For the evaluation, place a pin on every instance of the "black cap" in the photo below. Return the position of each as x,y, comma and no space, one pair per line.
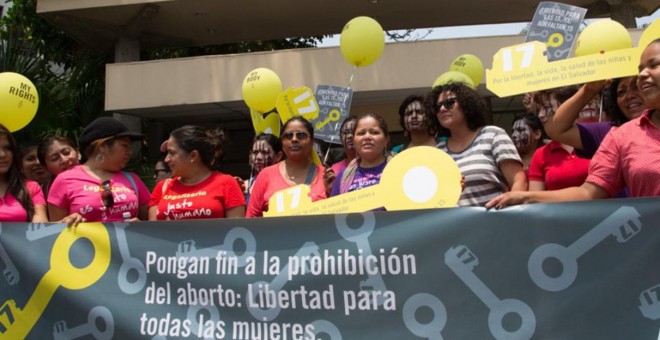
104,127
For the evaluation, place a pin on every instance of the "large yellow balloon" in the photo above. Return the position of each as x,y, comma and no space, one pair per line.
260,89
602,36
453,77
469,64
19,101
362,41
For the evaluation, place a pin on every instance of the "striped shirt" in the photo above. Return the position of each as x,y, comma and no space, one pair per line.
479,164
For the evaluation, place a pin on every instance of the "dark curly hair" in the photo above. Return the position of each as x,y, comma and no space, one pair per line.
429,117
472,104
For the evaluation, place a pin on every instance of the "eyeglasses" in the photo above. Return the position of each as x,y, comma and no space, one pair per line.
106,194
300,135
447,103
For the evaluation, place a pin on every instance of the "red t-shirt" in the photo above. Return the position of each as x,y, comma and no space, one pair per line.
209,198
557,168
270,181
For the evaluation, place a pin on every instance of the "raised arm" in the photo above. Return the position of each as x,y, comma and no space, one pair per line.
561,126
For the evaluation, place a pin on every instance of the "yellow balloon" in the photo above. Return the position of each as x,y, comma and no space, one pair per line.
453,77
651,33
19,101
469,64
602,36
260,89
362,41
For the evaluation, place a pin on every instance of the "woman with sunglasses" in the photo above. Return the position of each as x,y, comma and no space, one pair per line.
196,190
297,168
99,190
21,199
485,155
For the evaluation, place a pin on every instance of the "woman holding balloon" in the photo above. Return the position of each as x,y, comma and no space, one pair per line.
297,168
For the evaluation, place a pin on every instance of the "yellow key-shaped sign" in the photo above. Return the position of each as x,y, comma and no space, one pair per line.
62,273
269,124
298,101
417,178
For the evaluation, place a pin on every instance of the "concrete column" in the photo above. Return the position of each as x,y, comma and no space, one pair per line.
622,11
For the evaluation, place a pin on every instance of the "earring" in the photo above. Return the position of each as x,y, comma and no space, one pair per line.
99,157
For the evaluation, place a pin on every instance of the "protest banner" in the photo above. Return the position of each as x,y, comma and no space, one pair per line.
580,270
556,25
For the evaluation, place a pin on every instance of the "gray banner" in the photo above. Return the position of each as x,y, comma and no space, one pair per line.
558,271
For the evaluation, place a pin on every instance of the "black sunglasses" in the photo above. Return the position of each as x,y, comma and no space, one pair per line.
106,194
300,135
447,103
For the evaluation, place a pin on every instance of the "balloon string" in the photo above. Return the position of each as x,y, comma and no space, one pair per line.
351,79
249,184
600,107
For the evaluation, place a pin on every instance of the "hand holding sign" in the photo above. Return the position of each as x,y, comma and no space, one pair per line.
417,178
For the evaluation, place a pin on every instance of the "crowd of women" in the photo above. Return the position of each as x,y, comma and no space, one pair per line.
578,159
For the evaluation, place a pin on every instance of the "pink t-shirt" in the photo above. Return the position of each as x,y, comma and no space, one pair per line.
209,198
77,191
12,211
270,181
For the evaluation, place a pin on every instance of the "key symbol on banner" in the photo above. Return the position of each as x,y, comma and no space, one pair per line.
360,236
333,116
462,262
63,273
622,224
10,273
269,314
326,327
62,332
432,329
187,248
650,303
38,231
128,263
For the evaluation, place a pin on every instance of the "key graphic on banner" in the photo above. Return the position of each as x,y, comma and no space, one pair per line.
91,327
462,262
10,273
62,273
623,224
360,236
417,178
430,330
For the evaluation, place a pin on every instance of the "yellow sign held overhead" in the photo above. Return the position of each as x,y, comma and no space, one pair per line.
524,68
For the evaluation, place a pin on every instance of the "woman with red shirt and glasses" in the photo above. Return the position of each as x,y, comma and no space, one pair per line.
99,190
297,168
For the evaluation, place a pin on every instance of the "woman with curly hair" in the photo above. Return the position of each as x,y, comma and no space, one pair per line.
485,154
